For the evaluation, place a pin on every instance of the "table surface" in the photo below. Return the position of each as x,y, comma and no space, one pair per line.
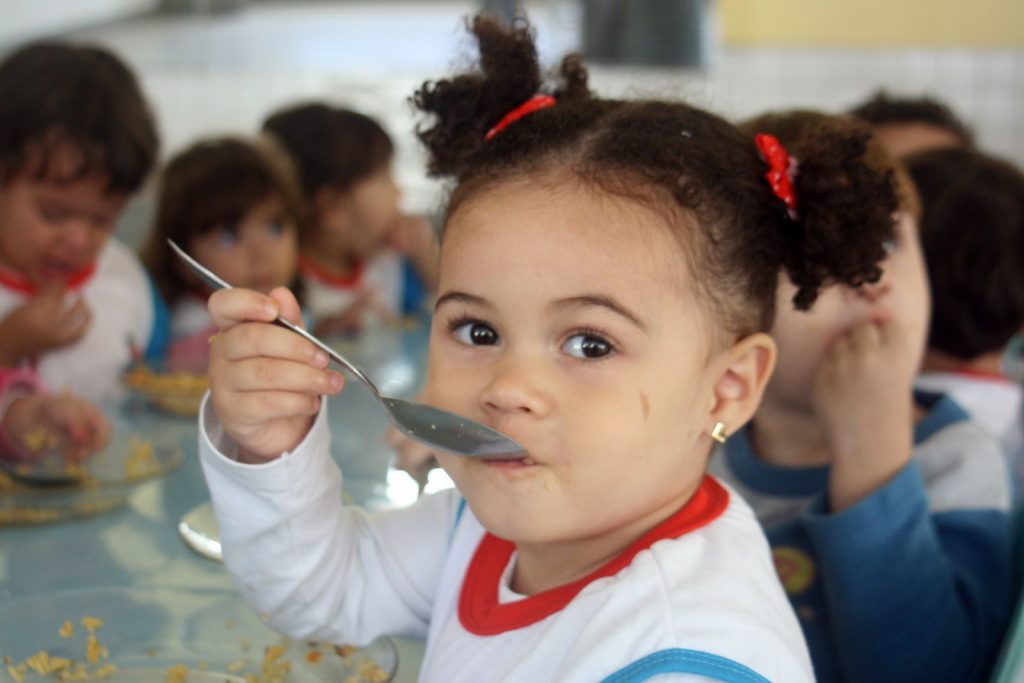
136,547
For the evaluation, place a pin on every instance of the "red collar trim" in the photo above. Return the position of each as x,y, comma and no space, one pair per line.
482,614
982,374
16,282
317,272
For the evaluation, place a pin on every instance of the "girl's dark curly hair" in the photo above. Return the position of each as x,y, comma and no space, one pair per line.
703,172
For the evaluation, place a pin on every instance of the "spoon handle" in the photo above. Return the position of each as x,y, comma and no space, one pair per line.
215,281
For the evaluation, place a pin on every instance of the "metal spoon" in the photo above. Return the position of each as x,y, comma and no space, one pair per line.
430,426
47,471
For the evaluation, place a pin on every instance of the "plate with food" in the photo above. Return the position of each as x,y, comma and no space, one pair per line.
170,635
44,488
175,392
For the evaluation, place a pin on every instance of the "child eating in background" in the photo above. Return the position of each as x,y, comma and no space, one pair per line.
886,511
77,139
607,277
972,233
361,258
234,205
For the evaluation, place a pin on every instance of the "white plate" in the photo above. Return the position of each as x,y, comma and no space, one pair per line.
198,529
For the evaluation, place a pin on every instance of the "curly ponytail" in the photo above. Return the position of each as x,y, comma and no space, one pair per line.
704,173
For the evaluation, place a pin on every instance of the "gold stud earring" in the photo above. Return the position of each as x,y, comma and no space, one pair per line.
718,433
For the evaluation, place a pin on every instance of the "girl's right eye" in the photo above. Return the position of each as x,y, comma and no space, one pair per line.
475,333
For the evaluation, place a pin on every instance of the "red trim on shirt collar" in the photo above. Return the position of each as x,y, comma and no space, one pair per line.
317,272
482,614
16,282
982,374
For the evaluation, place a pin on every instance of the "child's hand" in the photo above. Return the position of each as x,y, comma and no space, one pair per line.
40,423
265,381
45,322
411,456
863,397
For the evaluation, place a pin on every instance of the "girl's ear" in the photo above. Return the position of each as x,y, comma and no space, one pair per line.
746,368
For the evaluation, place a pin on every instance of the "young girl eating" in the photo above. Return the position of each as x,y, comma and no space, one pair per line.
607,274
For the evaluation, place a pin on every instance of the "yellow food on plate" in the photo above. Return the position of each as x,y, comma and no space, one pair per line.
177,392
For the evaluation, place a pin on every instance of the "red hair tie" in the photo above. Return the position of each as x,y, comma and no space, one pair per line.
531,105
781,169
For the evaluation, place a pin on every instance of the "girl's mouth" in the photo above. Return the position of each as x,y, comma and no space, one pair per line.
521,463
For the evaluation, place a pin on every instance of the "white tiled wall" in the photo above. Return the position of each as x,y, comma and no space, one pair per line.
224,73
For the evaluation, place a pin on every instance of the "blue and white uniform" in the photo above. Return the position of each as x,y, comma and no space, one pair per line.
912,582
126,319
696,599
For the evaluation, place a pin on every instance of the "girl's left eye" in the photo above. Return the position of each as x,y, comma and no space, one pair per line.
275,228
587,346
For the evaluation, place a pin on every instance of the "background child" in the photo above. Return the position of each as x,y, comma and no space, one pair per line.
361,257
904,125
887,516
972,232
607,268
234,205
76,140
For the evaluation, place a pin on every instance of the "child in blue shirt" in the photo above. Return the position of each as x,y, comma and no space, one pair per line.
887,512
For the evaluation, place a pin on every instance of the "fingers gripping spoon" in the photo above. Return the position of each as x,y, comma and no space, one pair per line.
428,425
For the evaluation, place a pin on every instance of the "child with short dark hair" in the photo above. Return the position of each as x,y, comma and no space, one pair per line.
234,204
608,272
361,258
904,125
972,232
77,139
887,512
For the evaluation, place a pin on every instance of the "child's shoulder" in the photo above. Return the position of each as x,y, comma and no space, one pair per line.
962,464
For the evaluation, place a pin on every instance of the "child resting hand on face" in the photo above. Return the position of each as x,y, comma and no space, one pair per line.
607,276
361,258
77,139
886,510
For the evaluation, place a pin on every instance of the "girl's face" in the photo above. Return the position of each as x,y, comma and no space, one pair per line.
803,337
564,320
259,253
52,229
364,216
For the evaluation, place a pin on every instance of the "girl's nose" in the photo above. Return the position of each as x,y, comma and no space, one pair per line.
78,235
515,388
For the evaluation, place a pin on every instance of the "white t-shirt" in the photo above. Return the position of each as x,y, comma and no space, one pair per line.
327,297
994,403
120,298
694,605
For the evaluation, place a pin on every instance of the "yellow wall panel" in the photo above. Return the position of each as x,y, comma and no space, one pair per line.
838,23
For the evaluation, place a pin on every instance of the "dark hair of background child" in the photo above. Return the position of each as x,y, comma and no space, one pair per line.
882,109
972,232
702,172
332,147
209,186
83,97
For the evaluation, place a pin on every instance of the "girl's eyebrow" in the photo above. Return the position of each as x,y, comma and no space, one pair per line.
460,297
600,301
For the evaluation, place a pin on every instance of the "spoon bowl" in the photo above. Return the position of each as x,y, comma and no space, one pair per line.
428,425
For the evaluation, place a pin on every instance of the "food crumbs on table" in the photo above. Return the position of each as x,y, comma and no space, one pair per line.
313,656
236,666
176,674
67,630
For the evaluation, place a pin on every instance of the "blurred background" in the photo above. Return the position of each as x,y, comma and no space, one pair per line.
217,66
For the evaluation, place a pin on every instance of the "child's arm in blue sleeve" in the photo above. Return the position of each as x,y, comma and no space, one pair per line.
913,595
